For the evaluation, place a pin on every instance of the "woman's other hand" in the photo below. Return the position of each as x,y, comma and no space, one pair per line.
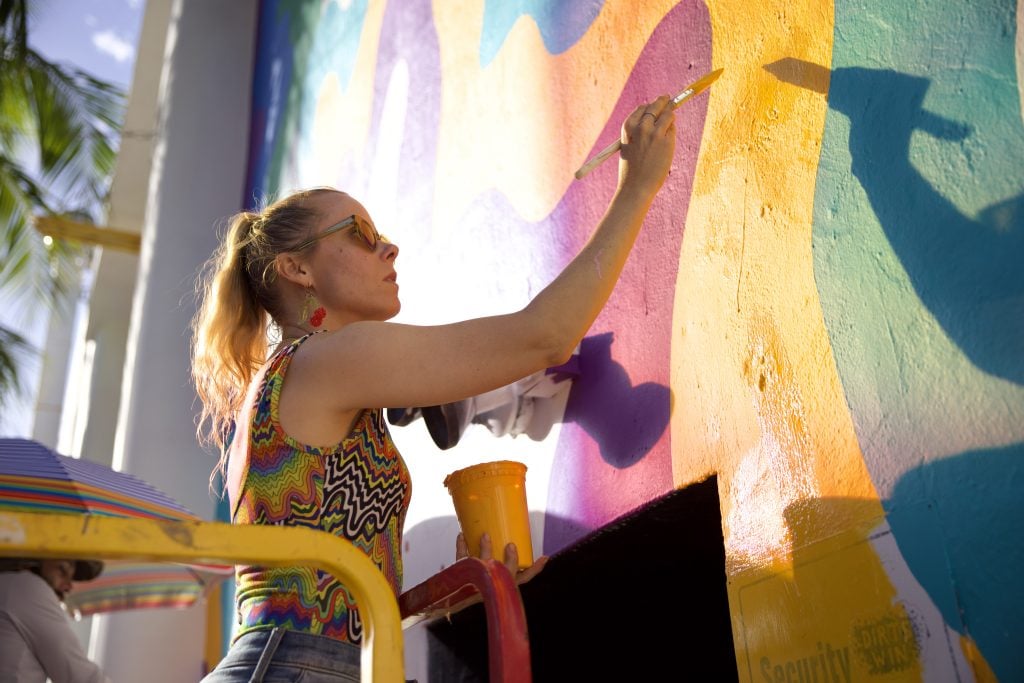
511,557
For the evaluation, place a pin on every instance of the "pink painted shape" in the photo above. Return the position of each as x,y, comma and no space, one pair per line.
614,452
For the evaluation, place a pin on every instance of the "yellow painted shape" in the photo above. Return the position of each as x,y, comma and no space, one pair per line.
752,369
341,120
757,396
799,624
107,538
983,673
526,122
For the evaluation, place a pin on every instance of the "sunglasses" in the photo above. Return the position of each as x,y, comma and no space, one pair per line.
354,223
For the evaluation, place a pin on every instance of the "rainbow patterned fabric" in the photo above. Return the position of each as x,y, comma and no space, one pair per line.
358,490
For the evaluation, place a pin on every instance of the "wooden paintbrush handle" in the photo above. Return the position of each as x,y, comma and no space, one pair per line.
596,161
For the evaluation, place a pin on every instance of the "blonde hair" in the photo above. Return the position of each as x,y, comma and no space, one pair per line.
238,302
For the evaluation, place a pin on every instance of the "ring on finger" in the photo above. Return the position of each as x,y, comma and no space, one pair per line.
647,113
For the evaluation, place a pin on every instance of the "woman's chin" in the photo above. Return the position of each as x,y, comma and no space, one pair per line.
392,311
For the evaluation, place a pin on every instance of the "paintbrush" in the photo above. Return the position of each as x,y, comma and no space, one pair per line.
690,91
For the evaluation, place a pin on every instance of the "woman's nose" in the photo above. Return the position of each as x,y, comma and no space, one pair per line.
390,250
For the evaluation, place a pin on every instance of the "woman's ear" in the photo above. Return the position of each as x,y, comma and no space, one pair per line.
290,267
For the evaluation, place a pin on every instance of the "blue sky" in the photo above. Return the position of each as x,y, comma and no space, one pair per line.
100,37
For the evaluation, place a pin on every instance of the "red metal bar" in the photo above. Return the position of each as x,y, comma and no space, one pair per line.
508,644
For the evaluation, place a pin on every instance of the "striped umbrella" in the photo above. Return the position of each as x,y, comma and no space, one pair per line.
138,585
34,478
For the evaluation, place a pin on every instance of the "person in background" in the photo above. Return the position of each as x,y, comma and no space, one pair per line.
36,640
300,424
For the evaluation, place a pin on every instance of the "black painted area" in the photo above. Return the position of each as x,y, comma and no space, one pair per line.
641,599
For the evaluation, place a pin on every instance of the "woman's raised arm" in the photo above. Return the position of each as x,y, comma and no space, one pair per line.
374,364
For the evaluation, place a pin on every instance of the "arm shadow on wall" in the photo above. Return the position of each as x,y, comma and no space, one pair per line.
625,420
956,525
966,271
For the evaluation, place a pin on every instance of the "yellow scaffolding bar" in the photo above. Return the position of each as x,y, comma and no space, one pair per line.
25,534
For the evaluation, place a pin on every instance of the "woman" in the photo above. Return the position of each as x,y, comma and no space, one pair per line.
314,450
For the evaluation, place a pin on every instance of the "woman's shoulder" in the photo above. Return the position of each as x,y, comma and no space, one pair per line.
284,353
287,348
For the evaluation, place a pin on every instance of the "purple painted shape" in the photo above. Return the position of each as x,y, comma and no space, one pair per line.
407,35
614,452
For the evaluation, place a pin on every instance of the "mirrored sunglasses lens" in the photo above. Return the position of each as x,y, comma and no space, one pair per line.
368,233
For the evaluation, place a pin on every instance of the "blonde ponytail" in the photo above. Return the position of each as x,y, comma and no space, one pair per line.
237,304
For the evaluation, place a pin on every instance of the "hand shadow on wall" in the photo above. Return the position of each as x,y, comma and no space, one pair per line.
967,272
626,421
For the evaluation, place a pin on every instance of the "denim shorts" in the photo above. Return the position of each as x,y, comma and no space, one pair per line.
283,656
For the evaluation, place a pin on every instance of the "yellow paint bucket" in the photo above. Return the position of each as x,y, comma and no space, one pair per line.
491,497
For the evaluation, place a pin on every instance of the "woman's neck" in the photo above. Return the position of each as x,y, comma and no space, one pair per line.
290,333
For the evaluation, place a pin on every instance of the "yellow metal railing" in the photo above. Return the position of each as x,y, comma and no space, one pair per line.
24,534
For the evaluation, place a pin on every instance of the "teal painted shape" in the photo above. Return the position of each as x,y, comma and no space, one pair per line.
561,23
336,41
333,45
918,243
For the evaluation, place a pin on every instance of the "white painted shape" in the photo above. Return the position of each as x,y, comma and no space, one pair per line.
382,193
942,659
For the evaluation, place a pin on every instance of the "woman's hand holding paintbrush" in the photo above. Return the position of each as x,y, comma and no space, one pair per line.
645,159
686,94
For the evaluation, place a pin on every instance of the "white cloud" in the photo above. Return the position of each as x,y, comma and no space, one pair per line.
111,44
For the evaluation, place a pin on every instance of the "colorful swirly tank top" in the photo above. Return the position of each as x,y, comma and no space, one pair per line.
359,490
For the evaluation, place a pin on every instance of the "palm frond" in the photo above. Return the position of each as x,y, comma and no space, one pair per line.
14,26
24,265
71,121
15,113
77,119
68,123
14,350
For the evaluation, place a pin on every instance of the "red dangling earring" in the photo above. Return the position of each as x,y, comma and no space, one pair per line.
317,319
319,312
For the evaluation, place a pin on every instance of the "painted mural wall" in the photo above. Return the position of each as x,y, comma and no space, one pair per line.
825,307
